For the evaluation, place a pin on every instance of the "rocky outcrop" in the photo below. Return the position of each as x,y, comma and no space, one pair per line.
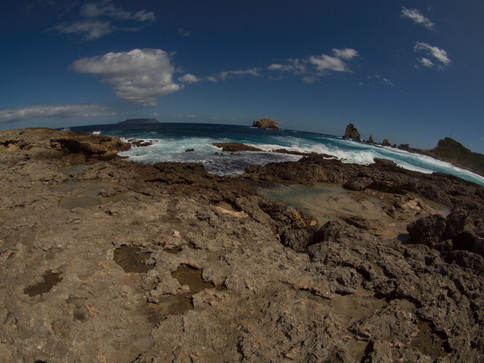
60,143
385,142
352,133
166,262
266,123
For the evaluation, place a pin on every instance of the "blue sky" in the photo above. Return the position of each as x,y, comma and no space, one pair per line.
409,71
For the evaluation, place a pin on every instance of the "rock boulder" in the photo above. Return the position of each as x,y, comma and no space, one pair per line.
266,123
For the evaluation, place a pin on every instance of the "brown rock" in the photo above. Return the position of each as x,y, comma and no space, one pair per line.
266,123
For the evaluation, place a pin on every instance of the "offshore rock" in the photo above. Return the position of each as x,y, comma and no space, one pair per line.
352,133
266,123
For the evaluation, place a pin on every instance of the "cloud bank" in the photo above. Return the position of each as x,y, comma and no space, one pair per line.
140,75
99,19
435,57
316,66
417,17
63,111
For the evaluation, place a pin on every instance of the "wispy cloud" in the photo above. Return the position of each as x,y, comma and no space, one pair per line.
221,76
140,75
62,111
382,80
417,17
316,66
433,55
98,19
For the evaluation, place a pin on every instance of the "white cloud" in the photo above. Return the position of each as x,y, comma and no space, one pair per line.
63,111
189,78
295,66
383,80
417,17
98,19
316,66
435,53
242,72
93,10
425,62
91,29
222,76
140,75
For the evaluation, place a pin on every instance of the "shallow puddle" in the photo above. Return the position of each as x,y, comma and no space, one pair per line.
50,280
132,259
179,303
326,202
87,194
429,343
192,277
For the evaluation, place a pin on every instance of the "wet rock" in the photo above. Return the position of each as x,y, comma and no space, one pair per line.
234,147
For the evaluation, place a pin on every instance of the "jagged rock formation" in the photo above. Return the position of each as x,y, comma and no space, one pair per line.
352,133
123,262
385,142
266,123
140,121
371,140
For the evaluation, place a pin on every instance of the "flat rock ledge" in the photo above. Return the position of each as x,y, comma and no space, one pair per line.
113,261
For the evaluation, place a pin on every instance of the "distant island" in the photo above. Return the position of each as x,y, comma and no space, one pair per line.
140,121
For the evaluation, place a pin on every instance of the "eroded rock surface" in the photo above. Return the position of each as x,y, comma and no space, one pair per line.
174,264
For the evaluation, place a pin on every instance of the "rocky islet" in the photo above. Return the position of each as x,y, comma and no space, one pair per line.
115,280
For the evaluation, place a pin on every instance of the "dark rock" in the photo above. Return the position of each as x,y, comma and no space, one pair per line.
359,183
371,140
427,230
352,133
235,146
266,123
385,142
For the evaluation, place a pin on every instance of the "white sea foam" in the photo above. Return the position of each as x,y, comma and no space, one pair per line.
217,162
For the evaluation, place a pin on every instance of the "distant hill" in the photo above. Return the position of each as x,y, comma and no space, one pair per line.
454,152
140,121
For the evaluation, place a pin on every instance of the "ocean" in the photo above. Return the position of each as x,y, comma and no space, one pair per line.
172,140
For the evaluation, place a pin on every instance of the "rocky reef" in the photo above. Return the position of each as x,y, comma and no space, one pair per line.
266,123
108,260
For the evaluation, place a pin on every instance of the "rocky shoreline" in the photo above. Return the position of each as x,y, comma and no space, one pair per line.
107,260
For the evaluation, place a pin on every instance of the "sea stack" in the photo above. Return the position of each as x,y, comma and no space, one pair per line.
266,123
352,133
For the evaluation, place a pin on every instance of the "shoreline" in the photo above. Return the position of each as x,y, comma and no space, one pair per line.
175,263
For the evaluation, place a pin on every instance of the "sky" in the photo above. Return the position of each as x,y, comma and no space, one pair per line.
408,71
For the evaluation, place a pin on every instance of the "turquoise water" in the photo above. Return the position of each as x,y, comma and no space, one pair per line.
171,140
